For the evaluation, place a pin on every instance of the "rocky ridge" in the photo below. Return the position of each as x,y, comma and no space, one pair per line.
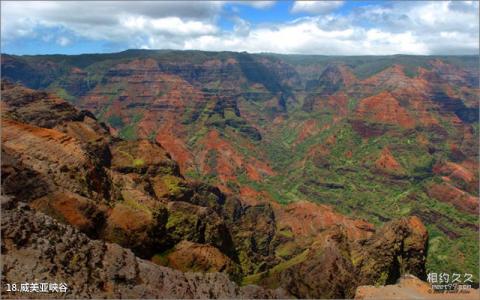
37,248
132,193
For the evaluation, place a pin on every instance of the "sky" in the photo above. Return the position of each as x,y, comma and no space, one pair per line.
289,27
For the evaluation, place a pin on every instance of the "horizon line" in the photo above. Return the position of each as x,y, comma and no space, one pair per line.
229,51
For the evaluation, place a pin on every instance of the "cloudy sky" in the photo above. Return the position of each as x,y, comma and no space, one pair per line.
301,27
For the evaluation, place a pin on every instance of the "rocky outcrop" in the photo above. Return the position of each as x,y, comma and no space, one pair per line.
192,257
385,109
461,175
135,196
37,248
142,157
52,154
334,266
410,287
399,247
332,79
448,193
253,229
387,164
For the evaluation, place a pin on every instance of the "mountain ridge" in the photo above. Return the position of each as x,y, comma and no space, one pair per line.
377,138
131,193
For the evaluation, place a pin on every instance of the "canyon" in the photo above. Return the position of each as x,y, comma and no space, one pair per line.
238,175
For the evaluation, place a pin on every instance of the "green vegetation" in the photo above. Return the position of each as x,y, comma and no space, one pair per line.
263,119
173,185
162,258
256,278
354,186
129,132
135,204
138,162
115,121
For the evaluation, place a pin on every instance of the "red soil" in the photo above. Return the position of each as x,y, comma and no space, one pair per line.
229,161
252,197
448,193
309,219
454,171
386,162
384,108
338,102
308,129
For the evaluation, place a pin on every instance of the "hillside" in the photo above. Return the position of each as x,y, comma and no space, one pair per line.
295,145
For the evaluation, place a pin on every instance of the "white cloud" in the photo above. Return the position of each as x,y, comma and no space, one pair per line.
310,38
63,41
315,7
175,25
260,4
168,25
398,27
429,23
19,18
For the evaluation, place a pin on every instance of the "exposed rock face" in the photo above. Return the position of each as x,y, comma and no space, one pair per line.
193,257
304,218
332,80
254,228
384,108
71,208
197,224
142,157
386,163
53,154
402,247
448,193
410,287
23,105
334,266
121,196
329,253
135,196
37,248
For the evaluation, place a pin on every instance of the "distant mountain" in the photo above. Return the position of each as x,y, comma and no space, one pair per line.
376,138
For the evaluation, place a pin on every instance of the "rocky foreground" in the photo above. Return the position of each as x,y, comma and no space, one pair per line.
410,287
113,218
37,248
